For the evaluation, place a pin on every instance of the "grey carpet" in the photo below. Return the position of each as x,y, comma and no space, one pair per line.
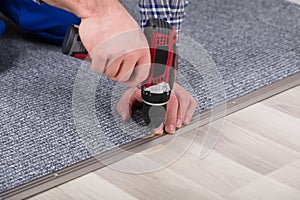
254,44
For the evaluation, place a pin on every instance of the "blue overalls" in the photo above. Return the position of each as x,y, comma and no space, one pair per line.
43,20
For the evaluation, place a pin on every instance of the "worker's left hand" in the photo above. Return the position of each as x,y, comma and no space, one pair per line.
180,108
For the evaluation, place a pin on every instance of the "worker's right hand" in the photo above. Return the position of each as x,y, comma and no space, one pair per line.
117,46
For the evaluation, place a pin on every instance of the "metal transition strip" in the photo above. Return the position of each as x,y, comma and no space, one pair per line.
92,164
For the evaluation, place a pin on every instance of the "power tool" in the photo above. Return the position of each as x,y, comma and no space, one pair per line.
156,90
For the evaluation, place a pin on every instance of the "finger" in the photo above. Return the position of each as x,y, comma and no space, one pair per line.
171,115
126,70
190,112
183,104
122,68
141,71
159,130
112,68
182,110
179,117
125,102
98,63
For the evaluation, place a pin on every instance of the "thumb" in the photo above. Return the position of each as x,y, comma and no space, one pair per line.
125,103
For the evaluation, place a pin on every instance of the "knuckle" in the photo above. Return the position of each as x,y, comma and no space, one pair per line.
124,77
131,56
134,53
171,119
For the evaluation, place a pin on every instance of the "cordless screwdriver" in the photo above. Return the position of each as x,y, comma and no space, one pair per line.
156,89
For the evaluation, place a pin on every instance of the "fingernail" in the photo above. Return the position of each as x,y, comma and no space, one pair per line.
159,130
171,128
179,123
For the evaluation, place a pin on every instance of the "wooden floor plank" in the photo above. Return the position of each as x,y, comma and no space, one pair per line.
271,123
92,187
52,194
287,102
289,175
215,172
296,164
265,189
163,184
254,151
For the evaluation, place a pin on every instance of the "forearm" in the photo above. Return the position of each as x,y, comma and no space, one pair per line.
84,8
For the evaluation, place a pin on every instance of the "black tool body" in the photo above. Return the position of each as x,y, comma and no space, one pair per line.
72,44
156,90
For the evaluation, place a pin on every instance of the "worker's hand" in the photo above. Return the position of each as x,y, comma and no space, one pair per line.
117,46
180,108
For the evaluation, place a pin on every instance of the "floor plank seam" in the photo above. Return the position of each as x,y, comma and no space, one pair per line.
262,136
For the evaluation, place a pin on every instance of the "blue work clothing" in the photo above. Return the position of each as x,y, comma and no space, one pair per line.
44,20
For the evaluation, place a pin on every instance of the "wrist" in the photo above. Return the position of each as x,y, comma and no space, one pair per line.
90,8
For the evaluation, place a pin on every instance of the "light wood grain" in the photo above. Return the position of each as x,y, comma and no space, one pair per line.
216,172
287,102
296,163
249,149
252,150
265,189
163,184
92,187
270,123
289,175
53,194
